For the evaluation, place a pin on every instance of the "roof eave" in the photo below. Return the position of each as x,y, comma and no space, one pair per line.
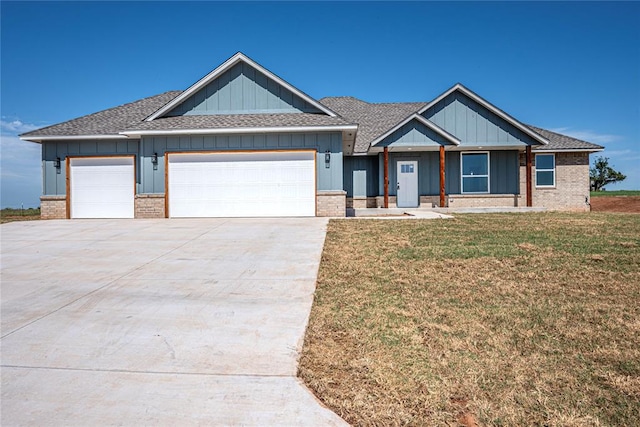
43,138
237,130
568,150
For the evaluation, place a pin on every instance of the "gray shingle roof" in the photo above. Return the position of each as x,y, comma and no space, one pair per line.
376,119
373,119
107,122
223,121
557,141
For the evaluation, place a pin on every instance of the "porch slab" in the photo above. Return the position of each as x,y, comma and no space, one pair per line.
504,209
396,213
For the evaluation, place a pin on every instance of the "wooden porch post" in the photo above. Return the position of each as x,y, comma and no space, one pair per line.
442,176
529,195
386,177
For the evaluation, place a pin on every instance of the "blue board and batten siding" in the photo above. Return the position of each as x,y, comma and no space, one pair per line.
473,124
413,134
150,180
327,178
361,176
55,183
504,172
243,90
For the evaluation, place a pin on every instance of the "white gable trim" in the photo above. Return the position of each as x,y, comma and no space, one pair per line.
498,112
238,57
428,123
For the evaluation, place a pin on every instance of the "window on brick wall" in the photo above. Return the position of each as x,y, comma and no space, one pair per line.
545,170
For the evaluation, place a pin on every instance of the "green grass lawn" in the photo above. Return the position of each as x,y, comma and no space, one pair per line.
11,214
499,319
615,193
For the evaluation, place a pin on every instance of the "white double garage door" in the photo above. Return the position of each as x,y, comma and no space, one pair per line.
238,184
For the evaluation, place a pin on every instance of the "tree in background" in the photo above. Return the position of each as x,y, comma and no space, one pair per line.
602,174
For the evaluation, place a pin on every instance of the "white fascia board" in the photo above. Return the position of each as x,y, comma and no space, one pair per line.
490,107
221,69
407,149
292,88
236,130
437,129
568,150
486,147
37,138
440,98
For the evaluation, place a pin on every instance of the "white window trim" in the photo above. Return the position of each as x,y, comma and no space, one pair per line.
463,176
546,170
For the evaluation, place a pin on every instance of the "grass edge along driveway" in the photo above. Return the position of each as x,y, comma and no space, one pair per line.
497,319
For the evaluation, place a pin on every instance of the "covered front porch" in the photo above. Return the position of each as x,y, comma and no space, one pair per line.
410,176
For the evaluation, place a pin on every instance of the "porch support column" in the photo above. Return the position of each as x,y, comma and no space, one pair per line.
442,176
386,177
529,195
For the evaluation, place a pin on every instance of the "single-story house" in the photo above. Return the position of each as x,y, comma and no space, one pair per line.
241,141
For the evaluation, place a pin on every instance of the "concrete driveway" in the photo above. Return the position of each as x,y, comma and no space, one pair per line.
162,322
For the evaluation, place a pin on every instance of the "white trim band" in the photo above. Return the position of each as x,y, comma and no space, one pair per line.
217,131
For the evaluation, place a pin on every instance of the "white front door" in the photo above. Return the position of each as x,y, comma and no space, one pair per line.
407,184
102,187
238,184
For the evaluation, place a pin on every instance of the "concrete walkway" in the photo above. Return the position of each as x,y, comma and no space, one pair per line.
431,213
158,322
396,213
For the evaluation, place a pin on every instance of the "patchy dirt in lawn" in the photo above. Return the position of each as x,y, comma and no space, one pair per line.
625,204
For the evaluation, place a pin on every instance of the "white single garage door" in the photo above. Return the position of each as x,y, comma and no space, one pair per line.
256,184
102,187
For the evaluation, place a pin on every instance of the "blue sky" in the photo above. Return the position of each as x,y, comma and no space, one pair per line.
572,67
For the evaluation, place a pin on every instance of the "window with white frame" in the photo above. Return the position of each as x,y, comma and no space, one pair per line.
475,172
545,170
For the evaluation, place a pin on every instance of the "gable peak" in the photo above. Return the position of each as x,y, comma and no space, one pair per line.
226,66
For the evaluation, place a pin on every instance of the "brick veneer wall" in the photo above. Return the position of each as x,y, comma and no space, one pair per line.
149,206
571,192
523,178
433,201
425,201
380,201
331,203
483,201
362,202
53,207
